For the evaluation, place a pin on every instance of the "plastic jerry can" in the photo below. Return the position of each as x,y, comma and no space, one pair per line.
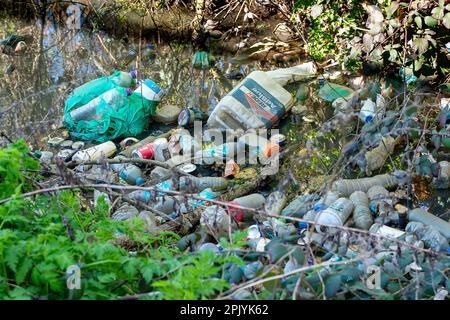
257,102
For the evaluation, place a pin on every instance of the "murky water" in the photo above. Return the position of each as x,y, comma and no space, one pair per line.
37,81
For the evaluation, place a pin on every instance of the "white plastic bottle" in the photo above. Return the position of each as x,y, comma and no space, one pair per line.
336,214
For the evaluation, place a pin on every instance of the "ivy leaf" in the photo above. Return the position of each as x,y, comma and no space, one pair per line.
393,54
446,20
437,13
430,21
316,10
368,42
421,45
418,21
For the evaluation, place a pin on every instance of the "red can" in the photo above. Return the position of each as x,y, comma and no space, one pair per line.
144,152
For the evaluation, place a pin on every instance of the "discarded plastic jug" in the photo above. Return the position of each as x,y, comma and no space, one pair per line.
361,213
215,183
257,102
336,214
429,219
429,235
254,201
161,150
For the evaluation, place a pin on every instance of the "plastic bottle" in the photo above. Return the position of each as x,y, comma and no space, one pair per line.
275,202
105,149
131,174
429,235
215,183
189,145
215,221
367,112
161,149
256,102
429,219
300,206
336,214
361,213
92,89
254,201
219,154
346,187
91,111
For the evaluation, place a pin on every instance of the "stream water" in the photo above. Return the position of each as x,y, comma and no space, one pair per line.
37,81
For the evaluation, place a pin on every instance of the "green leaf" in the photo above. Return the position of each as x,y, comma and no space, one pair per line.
418,21
446,20
147,273
12,257
421,45
437,13
23,270
430,21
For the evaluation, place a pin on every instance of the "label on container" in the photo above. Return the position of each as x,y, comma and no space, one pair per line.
254,97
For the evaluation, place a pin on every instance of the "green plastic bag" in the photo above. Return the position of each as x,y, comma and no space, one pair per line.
331,91
123,116
94,88
201,60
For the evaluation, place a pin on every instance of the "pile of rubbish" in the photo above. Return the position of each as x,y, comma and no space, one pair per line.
209,181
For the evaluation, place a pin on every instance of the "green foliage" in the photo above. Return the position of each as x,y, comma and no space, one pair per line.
383,33
12,160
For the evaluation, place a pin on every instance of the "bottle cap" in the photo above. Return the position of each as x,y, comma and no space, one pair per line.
279,139
319,207
129,91
140,181
303,225
189,168
133,74
369,119
184,117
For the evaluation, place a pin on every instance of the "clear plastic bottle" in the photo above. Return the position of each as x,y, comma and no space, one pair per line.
336,214
202,183
429,235
254,201
131,174
361,213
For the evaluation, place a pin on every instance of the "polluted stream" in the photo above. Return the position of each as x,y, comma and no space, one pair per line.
335,130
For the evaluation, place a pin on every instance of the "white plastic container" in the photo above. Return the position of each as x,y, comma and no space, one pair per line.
105,149
257,102
336,214
161,149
